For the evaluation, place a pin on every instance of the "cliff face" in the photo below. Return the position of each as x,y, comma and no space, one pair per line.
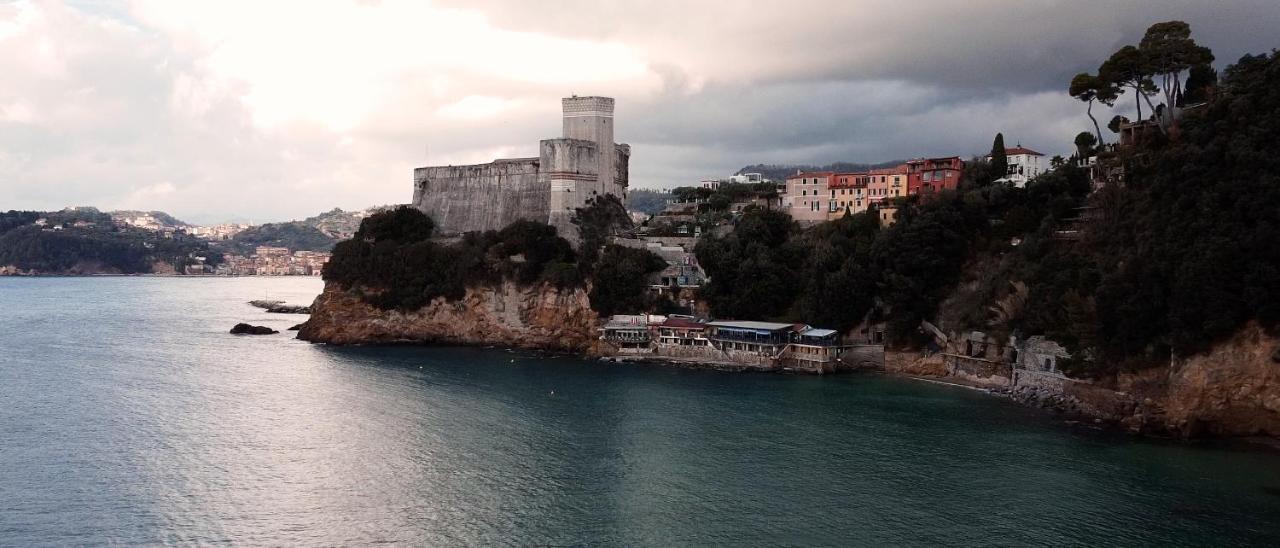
538,317
1234,390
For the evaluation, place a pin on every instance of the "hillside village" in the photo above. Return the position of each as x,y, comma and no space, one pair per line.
86,240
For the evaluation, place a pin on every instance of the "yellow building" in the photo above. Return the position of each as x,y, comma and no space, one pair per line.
847,192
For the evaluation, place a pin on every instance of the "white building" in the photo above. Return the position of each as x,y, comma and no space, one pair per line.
1024,165
742,178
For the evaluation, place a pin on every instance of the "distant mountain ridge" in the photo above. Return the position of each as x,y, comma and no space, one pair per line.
780,172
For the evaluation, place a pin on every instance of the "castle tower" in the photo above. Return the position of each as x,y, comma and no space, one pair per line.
585,162
591,119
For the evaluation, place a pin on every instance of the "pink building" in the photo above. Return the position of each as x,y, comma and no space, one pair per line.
806,199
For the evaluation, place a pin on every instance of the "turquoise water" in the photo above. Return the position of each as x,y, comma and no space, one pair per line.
129,415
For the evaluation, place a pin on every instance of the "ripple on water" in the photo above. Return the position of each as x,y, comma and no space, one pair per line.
129,415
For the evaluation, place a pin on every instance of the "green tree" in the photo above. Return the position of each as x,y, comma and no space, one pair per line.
1128,67
1085,143
1116,121
604,216
999,158
620,282
1168,50
1201,79
1090,88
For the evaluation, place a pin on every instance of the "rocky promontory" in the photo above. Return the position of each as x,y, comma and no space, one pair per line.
540,317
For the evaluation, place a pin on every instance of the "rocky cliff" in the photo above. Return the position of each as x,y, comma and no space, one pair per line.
1233,390
536,317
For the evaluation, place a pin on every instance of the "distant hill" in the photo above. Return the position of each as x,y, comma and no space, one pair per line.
340,224
86,241
780,172
160,216
295,235
647,201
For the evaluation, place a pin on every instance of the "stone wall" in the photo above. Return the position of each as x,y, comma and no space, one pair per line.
978,371
870,356
481,197
712,356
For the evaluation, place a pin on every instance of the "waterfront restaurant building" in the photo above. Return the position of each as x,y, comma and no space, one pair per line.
750,336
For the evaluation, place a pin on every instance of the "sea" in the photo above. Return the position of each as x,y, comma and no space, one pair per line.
129,415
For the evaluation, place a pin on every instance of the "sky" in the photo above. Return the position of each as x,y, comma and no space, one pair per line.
272,110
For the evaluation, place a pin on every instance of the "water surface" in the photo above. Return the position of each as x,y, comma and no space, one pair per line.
129,415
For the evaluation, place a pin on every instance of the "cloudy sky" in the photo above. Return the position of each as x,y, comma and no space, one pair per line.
270,109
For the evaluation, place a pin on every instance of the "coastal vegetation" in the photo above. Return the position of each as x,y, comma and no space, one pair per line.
394,263
841,272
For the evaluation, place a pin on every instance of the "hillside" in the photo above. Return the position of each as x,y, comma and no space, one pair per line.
295,235
160,216
85,241
340,224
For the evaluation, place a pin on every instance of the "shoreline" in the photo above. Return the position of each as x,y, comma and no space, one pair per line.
1074,419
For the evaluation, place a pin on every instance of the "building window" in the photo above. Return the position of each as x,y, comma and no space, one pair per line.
926,177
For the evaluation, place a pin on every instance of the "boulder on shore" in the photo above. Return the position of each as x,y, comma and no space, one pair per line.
297,327
279,307
246,329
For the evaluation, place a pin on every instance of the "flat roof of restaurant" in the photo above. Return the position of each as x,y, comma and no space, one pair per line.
767,326
683,322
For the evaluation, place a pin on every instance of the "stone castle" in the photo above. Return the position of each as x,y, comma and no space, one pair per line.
568,172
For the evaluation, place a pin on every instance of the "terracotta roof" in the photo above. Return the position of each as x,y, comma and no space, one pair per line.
1021,150
811,174
896,170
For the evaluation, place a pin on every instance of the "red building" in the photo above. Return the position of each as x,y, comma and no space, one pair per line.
931,175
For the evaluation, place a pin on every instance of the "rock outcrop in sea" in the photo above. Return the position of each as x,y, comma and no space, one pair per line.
540,317
246,329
